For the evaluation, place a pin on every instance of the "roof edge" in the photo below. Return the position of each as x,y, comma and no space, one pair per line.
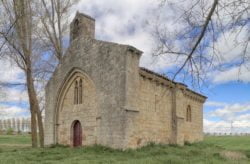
171,81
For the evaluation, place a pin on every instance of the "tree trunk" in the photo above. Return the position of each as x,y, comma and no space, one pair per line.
40,126
25,33
33,103
33,128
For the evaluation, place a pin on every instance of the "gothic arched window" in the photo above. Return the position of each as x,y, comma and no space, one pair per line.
80,92
76,93
188,114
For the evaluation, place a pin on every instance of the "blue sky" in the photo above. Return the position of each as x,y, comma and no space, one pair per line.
131,22
231,92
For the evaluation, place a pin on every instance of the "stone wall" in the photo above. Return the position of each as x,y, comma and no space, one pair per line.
193,131
160,113
153,121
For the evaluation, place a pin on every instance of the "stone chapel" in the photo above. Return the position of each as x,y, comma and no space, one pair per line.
98,94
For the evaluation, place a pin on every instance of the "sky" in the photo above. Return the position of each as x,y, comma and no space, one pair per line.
227,108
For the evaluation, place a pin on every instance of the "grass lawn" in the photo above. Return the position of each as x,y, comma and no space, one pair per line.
16,150
13,140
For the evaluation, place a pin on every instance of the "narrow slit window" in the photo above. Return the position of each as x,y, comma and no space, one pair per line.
188,114
76,93
80,91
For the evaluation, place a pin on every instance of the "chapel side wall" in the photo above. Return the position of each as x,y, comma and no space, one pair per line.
153,121
193,131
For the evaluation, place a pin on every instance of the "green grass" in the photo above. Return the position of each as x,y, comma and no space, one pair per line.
15,139
237,143
204,152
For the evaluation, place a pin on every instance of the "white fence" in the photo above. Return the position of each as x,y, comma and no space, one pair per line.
226,134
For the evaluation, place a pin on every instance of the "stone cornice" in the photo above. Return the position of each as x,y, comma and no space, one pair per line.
156,77
169,83
194,96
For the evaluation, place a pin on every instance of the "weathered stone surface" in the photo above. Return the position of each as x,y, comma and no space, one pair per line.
124,106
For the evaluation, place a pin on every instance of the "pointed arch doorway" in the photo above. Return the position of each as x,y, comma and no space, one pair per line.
65,115
77,133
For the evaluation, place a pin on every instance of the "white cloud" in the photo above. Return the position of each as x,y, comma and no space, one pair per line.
214,103
12,112
232,74
9,73
241,126
226,117
13,95
230,52
230,111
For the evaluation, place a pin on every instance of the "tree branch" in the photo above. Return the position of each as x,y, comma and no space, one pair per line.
215,3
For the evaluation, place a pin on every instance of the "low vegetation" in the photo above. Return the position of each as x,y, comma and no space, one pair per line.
17,150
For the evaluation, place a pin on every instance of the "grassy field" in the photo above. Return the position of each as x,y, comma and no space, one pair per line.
16,150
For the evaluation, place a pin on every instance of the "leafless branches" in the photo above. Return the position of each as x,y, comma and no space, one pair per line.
200,36
199,27
32,35
19,48
54,19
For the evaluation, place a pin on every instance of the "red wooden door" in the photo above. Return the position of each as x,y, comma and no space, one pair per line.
77,134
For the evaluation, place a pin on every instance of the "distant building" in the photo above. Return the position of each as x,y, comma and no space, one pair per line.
98,94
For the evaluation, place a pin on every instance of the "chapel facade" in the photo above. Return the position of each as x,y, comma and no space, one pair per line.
98,94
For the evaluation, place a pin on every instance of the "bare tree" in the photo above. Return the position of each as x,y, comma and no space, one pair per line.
14,124
1,93
1,125
17,36
4,124
18,125
198,24
9,123
28,124
54,16
23,125
35,50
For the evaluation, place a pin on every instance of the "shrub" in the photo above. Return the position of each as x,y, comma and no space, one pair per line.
10,131
2,132
58,146
187,143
